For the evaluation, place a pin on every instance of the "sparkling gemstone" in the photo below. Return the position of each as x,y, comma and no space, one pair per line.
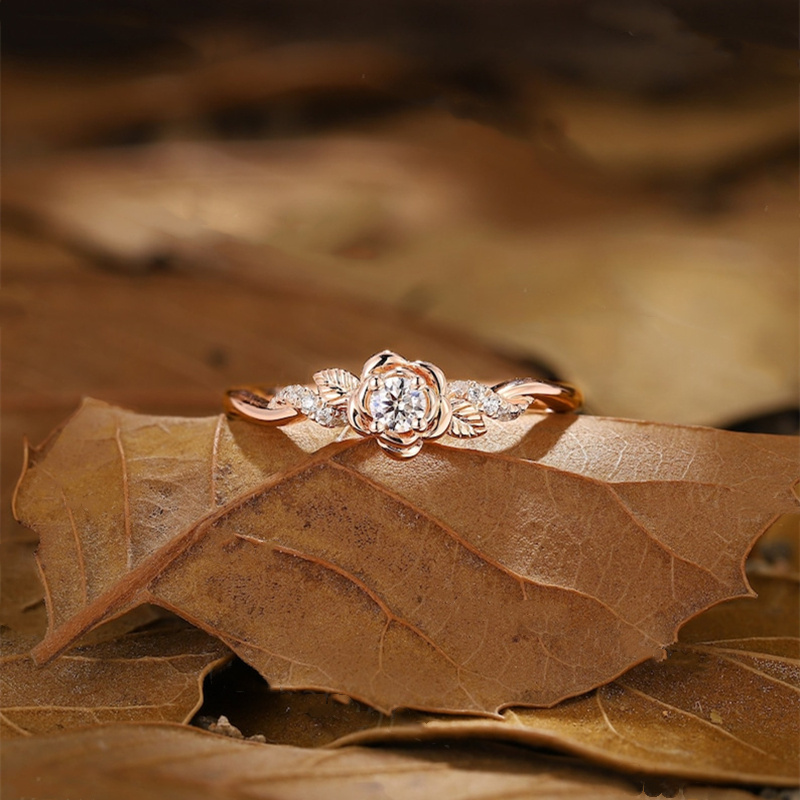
476,393
458,388
509,411
491,404
397,404
326,416
310,403
291,395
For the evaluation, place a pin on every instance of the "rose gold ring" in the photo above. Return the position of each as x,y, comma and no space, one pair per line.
400,402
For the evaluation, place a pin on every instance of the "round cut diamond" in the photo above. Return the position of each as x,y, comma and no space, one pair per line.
476,393
289,395
326,416
310,403
491,404
397,404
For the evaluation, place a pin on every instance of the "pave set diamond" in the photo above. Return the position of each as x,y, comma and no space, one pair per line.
307,401
487,400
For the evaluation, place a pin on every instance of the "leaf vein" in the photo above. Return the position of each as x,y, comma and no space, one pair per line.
690,715
125,492
450,532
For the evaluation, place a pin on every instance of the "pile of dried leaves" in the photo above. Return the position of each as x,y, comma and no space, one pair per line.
580,606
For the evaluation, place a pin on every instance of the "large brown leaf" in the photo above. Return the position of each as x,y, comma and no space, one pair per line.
163,762
721,708
148,676
549,561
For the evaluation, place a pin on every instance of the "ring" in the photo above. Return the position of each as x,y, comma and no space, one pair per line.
400,402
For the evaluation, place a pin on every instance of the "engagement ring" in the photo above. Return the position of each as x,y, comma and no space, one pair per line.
401,402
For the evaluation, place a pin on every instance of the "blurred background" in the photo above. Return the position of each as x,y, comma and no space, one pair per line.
199,194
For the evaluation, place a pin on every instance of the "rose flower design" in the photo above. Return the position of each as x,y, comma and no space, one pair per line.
403,402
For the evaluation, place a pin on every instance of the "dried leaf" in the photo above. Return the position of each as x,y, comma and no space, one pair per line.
21,597
22,606
149,676
721,708
548,560
164,762
699,310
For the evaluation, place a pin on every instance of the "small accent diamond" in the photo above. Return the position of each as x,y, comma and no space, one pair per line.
491,405
477,393
310,404
329,417
486,400
291,395
461,388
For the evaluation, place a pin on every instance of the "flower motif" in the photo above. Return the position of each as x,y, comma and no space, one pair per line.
403,402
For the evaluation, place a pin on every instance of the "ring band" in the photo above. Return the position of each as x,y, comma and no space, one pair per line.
400,402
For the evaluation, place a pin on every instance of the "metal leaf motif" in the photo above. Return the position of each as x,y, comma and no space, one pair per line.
467,421
335,385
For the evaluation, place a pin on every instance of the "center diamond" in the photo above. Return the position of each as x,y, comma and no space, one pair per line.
397,404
